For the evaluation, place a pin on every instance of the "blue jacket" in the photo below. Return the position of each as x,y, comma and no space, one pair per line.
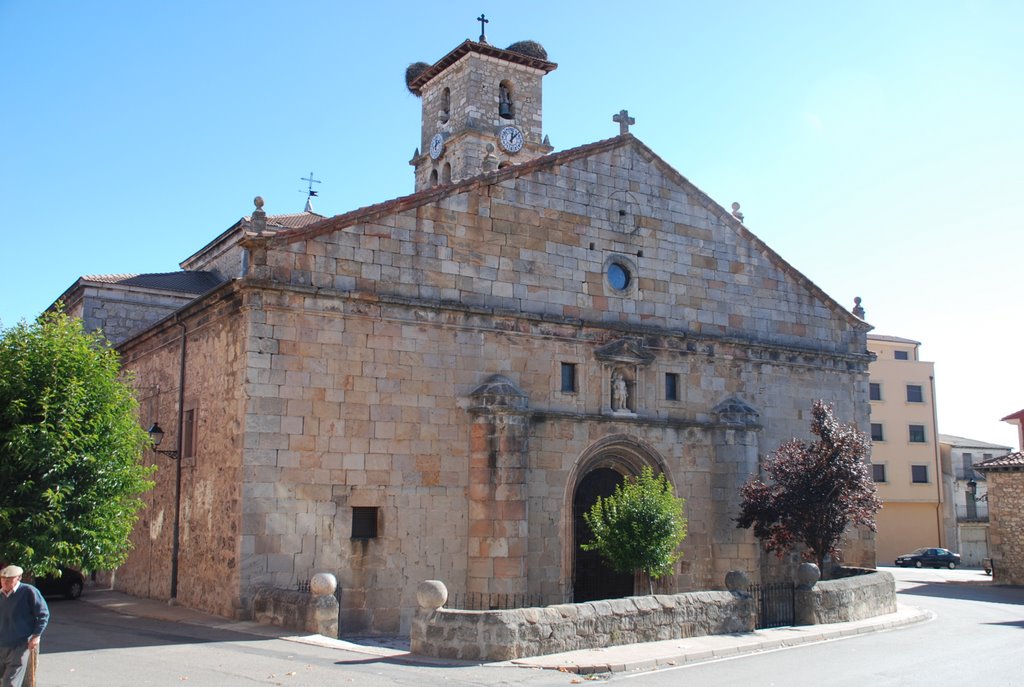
22,614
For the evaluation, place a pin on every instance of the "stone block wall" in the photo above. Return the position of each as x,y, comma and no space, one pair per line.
1006,523
296,610
505,635
846,599
210,526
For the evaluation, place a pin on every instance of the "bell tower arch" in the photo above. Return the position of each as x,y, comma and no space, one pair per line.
481,110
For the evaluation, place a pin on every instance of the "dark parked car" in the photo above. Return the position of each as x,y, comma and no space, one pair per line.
936,558
68,583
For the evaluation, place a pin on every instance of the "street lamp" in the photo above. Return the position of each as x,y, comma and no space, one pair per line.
156,435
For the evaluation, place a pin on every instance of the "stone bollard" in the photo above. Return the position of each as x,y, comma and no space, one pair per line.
431,595
804,598
324,609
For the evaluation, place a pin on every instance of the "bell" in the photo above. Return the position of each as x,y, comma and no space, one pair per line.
505,110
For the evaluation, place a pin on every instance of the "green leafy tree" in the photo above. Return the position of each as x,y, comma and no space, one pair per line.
639,527
70,448
816,490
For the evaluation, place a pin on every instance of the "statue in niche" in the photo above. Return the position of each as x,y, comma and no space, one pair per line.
620,394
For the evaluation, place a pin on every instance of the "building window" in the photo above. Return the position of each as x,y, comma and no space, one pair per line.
875,391
433,177
876,432
446,173
919,474
671,386
364,522
902,355
878,472
915,394
188,433
917,434
618,276
568,378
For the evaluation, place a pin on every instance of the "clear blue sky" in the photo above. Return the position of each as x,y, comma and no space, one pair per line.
875,145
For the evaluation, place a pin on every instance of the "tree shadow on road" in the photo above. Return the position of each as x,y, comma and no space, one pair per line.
969,591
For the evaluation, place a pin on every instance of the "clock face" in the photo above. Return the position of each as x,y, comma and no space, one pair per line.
511,139
436,146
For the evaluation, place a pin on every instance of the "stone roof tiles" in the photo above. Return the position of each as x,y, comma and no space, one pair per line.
183,282
1011,462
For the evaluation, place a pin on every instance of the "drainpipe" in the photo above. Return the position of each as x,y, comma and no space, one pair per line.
176,532
939,477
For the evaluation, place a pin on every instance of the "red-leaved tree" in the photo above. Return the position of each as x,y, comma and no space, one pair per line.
815,490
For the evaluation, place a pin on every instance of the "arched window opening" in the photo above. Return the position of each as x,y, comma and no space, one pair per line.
506,106
446,105
446,173
433,177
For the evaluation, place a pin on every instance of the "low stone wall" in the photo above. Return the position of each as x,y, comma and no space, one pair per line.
507,634
314,611
846,599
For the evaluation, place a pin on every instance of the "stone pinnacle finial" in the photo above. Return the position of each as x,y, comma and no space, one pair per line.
736,211
858,311
259,217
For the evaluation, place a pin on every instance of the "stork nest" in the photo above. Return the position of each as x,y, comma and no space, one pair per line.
530,49
412,71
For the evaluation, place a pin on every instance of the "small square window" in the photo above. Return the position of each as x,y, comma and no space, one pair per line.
917,434
875,391
878,472
919,474
915,394
569,378
671,386
364,522
876,432
902,355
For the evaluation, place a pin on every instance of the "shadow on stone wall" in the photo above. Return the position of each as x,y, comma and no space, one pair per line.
508,634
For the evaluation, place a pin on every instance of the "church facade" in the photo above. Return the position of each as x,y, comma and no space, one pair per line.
436,387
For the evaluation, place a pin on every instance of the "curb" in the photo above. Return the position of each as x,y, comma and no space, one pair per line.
692,650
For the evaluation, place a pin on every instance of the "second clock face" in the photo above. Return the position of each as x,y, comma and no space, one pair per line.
511,139
436,146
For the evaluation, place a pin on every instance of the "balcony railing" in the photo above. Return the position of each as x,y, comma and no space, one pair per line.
977,512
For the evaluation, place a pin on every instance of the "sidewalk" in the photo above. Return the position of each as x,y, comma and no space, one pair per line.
647,656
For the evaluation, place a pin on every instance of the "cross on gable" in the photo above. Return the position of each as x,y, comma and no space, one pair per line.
483,20
624,121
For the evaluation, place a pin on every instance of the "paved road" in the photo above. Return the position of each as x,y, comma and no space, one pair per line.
89,646
975,639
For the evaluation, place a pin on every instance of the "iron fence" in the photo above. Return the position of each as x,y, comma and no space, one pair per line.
479,601
776,604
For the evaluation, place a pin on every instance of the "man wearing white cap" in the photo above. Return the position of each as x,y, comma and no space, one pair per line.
23,617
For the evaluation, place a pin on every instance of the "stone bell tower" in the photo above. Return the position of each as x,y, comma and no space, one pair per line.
481,110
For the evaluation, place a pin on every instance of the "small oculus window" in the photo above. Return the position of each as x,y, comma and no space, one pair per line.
618,276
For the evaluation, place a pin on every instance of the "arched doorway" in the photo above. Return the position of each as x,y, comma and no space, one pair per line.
593,577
